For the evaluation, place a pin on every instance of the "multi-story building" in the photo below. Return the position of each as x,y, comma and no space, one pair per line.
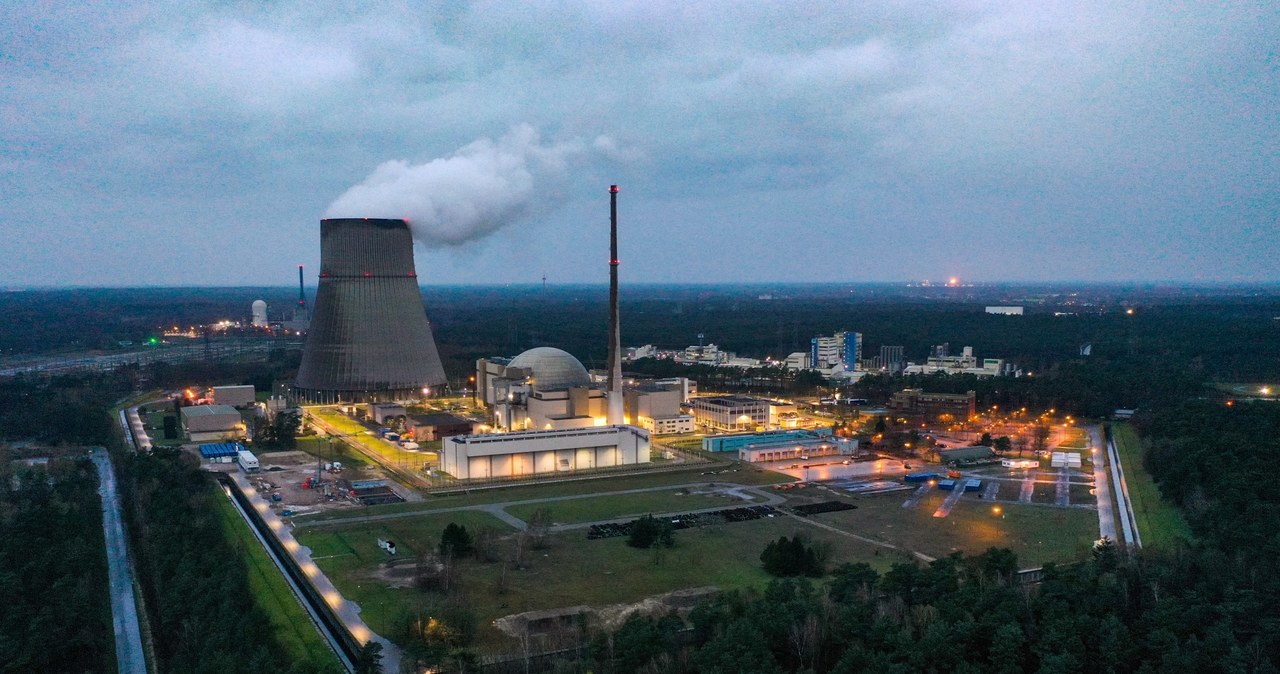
915,403
731,413
842,351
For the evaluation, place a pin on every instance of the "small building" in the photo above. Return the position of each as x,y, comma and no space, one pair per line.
387,412
248,462
222,452
797,450
429,427
531,453
235,396
962,455
1019,463
205,423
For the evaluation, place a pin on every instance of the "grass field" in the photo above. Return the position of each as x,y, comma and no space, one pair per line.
348,555
1037,534
1159,522
1074,439
744,476
289,620
595,508
571,571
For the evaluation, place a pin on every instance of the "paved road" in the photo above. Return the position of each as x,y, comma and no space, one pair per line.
1102,487
495,507
1063,494
130,658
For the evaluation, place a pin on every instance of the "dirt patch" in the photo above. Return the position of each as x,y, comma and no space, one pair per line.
611,617
396,573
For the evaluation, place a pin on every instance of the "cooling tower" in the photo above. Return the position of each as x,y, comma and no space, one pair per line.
369,338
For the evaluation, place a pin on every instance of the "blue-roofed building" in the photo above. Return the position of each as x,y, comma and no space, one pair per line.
221,452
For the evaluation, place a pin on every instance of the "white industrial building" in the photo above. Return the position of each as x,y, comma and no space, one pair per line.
548,389
1005,311
731,413
499,455
210,423
965,363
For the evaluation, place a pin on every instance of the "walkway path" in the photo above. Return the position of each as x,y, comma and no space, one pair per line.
1028,486
1063,495
915,498
951,500
1102,487
130,658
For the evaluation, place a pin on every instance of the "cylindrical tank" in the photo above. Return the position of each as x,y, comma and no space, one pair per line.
259,314
369,338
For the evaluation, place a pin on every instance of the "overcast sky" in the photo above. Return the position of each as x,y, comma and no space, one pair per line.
201,143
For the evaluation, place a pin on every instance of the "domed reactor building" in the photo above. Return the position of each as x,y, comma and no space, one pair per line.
369,339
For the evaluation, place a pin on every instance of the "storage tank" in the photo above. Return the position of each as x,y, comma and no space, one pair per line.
259,309
369,338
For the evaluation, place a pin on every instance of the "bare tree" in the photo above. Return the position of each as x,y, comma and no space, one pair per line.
539,528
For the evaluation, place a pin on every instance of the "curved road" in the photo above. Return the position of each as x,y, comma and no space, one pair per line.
130,658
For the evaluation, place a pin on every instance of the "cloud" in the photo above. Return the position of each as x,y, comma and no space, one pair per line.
468,195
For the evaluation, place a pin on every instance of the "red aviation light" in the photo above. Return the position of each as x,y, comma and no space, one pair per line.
613,189
367,274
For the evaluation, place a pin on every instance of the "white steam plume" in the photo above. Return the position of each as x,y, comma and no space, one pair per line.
481,188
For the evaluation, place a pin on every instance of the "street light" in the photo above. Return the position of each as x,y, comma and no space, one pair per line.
997,511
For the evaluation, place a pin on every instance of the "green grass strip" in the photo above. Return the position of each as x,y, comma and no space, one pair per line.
1159,522
290,622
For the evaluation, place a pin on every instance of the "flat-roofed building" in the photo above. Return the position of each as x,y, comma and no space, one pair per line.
533,453
429,427
210,423
933,407
731,413
235,396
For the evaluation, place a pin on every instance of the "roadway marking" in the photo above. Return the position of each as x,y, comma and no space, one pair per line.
914,500
1028,486
950,502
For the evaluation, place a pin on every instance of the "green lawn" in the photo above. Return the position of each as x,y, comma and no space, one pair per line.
595,508
1037,534
291,623
1074,438
744,476
1159,522
571,571
350,554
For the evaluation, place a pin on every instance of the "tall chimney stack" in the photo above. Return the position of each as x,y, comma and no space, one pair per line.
615,337
302,295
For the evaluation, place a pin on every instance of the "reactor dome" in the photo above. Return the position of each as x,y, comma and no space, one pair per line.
552,368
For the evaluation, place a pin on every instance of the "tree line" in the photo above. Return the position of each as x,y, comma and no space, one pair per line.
56,615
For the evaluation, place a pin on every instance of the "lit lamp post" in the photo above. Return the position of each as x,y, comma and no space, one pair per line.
998,512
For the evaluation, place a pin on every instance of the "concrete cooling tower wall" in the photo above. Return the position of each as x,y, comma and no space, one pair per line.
369,338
